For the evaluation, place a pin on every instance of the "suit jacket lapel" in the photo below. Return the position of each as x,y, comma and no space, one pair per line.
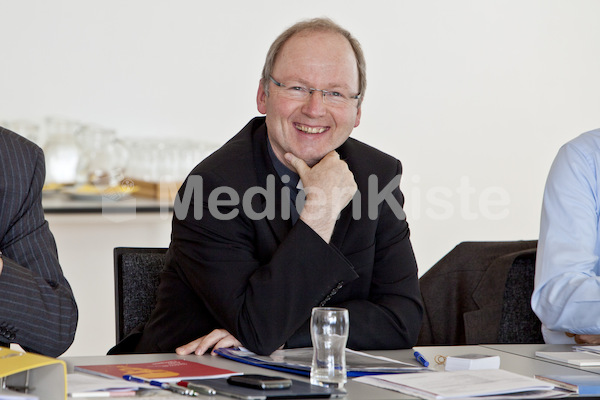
345,217
264,168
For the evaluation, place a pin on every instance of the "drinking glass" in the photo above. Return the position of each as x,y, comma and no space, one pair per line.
329,328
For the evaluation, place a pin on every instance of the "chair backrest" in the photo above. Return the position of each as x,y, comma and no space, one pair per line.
480,293
137,271
518,323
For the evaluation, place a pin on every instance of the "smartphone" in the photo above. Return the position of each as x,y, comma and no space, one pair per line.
264,382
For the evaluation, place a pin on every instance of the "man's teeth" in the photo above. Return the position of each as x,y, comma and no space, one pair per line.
308,129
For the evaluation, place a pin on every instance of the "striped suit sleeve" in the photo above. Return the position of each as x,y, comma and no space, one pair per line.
37,307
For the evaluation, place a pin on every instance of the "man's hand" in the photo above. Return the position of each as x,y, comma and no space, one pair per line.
216,339
329,186
1,264
585,339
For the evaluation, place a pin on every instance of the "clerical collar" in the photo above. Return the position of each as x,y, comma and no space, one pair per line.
282,170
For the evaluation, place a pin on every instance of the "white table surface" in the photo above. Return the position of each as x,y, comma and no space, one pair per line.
515,358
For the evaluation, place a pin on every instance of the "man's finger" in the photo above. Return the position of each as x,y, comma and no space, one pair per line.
299,165
228,341
188,348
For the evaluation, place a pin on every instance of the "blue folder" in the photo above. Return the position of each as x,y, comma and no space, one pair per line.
298,361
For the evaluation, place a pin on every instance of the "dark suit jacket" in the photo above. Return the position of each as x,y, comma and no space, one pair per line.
463,292
37,307
260,278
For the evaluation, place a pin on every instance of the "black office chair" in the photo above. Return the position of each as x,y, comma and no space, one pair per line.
480,293
518,323
137,273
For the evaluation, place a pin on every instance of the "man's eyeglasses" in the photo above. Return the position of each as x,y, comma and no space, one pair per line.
334,98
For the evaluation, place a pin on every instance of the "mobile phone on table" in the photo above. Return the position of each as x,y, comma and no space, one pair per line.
256,381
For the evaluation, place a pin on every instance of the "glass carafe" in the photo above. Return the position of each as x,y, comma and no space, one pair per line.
103,157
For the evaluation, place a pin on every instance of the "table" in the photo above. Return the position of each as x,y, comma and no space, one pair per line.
515,358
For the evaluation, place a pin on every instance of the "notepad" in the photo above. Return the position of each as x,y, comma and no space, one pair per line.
579,358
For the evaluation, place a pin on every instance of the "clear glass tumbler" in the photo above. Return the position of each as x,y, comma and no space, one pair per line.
329,328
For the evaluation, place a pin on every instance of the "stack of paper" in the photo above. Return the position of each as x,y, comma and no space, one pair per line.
461,384
589,349
580,358
472,361
84,385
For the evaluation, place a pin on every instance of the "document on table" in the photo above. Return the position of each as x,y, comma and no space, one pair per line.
579,358
590,349
460,384
80,384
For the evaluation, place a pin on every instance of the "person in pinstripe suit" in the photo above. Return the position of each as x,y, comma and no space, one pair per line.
37,306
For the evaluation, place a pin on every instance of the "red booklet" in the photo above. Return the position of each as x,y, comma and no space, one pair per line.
163,371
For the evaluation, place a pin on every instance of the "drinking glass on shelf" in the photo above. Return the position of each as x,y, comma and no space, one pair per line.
103,157
61,151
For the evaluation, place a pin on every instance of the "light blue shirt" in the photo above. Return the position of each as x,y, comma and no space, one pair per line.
566,296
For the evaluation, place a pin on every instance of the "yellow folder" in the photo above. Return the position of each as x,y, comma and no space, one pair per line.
43,376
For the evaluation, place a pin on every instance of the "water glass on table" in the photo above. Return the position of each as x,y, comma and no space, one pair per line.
329,328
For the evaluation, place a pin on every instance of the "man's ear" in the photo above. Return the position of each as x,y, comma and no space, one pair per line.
357,120
261,98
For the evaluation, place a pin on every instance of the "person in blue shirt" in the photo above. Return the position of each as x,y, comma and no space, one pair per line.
566,296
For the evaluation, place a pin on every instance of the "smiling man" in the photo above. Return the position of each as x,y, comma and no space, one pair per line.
254,257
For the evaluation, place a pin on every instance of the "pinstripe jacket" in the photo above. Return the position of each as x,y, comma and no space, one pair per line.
37,307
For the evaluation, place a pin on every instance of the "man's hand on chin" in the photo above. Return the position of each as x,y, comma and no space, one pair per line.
329,186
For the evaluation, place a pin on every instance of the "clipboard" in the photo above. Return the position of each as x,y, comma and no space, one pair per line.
42,376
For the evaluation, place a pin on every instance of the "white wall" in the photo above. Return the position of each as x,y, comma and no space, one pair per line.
474,97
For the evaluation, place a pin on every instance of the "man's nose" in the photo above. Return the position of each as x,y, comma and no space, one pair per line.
315,106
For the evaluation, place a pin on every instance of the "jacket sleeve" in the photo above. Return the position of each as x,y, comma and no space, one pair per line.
37,307
566,294
388,314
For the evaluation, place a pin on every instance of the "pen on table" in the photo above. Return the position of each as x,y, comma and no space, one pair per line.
204,389
421,359
163,385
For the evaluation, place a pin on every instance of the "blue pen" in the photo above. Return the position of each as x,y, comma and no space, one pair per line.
421,359
163,385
